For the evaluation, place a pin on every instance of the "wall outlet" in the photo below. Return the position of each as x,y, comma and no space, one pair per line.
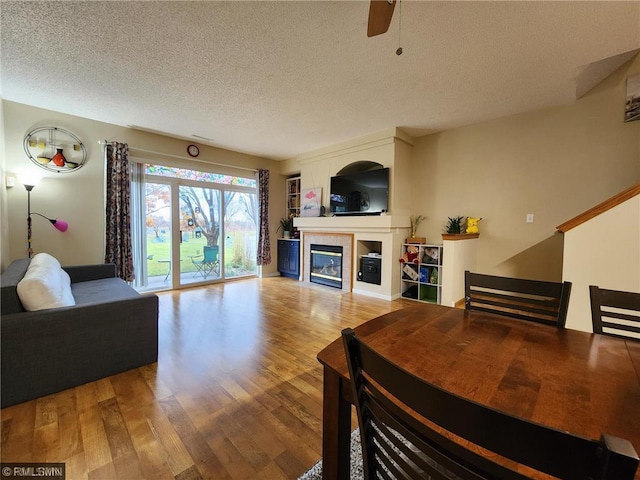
529,217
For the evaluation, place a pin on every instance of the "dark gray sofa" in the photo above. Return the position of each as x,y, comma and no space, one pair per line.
112,328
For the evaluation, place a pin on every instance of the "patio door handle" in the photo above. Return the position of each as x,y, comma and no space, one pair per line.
180,236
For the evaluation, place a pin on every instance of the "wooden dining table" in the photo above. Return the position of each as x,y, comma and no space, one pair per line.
570,380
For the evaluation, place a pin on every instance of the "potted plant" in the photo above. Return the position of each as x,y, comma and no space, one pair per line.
415,221
286,223
454,225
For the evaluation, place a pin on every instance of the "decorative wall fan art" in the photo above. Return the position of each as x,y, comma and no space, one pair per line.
55,149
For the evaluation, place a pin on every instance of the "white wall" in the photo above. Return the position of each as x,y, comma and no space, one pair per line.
390,148
604,251
78,197
457,256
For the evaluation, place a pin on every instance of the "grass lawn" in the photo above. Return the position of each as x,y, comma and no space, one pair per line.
160,249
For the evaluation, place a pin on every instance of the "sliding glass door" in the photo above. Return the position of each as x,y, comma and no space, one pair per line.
200,227
158,236
241,227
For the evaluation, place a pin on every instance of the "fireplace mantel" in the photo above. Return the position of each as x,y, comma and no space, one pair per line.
357,234
383,234
351,224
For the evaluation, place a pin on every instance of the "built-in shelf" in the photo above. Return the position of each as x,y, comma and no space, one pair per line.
293,196
459,236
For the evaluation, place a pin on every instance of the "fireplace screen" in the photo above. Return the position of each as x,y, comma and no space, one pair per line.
326,265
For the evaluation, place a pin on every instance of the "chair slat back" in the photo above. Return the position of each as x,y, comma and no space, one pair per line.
615,313
397,442
533,300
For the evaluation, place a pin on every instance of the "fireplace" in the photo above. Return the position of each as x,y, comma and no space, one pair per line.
326,265
331,239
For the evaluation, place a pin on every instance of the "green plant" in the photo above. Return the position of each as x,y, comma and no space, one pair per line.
415,221
454,225
286,224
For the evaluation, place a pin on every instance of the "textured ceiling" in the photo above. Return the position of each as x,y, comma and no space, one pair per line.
278,79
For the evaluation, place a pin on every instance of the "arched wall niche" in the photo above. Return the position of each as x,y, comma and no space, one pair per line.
358,167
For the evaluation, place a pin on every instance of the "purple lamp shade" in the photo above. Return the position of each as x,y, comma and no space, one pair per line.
60,225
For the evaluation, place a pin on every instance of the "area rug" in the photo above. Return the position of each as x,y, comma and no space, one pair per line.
356,471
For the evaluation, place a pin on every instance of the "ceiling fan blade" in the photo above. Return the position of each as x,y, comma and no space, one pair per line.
380,13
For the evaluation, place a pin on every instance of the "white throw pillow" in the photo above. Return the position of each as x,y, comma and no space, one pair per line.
44,260
45,285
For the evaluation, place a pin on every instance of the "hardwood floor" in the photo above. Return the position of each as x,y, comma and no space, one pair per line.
236,392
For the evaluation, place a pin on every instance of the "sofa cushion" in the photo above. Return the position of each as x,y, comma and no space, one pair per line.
104,289
45,285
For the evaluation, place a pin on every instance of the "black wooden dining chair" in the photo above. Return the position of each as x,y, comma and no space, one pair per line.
616,311
534,300
406,425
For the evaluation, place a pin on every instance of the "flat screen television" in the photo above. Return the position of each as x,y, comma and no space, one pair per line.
362,193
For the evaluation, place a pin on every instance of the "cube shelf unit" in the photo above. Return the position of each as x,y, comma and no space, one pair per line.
422,281
293,196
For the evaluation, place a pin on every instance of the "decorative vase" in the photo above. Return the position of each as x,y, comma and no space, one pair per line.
58,159
286,234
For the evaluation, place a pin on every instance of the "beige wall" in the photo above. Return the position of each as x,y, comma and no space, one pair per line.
554,163
78,197
4,211
600,252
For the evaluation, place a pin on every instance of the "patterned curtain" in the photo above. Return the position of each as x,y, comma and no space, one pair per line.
118,213
264,243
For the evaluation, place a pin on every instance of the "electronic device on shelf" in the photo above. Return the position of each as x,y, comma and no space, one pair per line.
361,193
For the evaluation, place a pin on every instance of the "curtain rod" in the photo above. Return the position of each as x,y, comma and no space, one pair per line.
104,143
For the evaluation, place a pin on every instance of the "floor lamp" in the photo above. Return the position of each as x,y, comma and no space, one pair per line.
59,224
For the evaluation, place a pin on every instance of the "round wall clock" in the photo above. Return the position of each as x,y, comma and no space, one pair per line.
55,149
193,150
